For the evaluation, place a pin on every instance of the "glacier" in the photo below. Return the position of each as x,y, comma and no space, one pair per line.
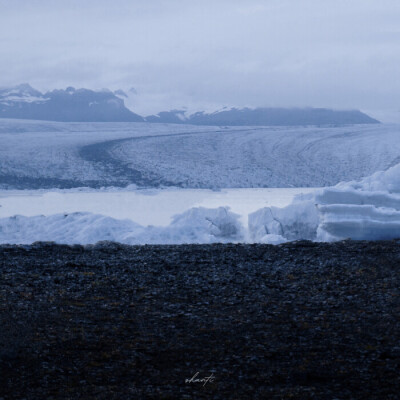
47,155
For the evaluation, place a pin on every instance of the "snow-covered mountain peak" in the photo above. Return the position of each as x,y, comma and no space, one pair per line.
25,89
74,105
70,90
20,93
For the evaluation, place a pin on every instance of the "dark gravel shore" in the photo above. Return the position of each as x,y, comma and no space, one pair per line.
301,321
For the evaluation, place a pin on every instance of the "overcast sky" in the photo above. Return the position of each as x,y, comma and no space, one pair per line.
324,53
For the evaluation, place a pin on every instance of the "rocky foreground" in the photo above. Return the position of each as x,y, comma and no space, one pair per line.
301,320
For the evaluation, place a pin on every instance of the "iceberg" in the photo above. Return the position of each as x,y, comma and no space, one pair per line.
196,225
297,220
365,210
368,209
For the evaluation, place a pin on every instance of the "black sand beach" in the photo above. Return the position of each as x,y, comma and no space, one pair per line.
299,321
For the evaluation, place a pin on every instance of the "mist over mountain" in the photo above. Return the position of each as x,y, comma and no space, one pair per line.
84,105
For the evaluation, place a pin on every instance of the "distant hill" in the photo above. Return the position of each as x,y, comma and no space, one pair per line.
83,105
265,116
70,105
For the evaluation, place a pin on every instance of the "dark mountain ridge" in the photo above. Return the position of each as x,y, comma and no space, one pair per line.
84,105
266,116
70,105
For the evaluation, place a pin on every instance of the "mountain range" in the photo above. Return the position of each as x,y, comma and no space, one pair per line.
84,105
69,105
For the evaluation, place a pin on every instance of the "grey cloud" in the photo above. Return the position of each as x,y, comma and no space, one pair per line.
334,53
